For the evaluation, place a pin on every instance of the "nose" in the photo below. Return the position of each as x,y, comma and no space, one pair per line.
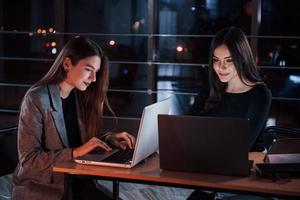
93,76
222,64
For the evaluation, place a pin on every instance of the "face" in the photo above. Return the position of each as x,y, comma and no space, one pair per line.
224,66
82,74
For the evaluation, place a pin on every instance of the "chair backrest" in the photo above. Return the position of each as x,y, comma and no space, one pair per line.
8,150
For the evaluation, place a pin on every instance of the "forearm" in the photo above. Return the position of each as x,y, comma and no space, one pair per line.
42,160
36,152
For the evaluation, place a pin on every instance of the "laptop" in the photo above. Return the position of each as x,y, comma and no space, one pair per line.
146,142
204,144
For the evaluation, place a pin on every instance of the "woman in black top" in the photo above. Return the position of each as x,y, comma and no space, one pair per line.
235,87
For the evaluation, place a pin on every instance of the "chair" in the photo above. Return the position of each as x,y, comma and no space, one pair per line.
272,133
8,150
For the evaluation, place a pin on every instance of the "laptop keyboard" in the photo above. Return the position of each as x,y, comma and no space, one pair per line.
121,156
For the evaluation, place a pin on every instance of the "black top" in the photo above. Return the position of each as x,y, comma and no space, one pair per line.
253,104
70,117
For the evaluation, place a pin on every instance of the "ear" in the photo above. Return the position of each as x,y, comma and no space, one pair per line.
67,64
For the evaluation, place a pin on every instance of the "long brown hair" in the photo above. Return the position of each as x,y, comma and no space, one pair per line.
240,50
91,100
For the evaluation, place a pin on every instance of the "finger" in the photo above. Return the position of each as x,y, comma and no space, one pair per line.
132,140
97,142
104,146
128,141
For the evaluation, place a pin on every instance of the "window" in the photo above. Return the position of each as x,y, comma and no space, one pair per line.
155,48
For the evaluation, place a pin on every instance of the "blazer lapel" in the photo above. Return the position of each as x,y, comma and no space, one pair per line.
57,114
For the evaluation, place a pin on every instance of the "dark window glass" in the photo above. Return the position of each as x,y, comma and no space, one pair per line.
183,49
94,16
28,15
283,82
30,45
123,48
121,27
23,71
203,17
181,78
281,52
128,76
11,97
8,119
280,17
285,113
128,104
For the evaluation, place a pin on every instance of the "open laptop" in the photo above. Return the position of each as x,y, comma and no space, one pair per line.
204,144
146,142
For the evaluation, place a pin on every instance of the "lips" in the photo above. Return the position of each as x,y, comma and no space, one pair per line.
87,84
223,74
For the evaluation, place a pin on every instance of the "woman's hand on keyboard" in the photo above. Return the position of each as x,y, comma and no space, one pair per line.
121,140
89,146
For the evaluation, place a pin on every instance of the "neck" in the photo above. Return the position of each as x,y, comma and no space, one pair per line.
65,89
238,87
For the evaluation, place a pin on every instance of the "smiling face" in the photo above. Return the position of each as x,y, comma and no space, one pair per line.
82,74
224,66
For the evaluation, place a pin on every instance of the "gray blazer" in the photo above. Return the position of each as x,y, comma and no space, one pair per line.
42,142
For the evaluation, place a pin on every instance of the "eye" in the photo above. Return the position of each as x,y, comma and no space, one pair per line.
215,60
230,60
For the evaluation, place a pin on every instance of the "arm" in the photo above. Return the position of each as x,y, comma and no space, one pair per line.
258,113
89,146
32,143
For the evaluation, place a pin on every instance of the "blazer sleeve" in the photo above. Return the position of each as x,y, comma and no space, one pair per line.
31,140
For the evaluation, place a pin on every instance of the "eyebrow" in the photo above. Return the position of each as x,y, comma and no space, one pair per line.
224,57
91,66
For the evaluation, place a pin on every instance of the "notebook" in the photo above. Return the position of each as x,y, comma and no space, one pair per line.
204,144
146,141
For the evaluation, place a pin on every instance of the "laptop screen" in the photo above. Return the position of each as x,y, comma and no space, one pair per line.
204,144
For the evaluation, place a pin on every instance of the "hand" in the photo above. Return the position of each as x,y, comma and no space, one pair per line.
89,146
121,140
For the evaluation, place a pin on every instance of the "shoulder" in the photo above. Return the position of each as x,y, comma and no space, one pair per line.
262,92
262,89
37,90
37,94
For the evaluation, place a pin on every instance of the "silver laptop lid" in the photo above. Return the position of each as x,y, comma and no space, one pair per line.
147,138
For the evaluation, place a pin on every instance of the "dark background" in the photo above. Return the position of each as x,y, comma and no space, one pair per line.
145,65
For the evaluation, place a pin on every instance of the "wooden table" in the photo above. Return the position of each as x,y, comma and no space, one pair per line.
150,173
